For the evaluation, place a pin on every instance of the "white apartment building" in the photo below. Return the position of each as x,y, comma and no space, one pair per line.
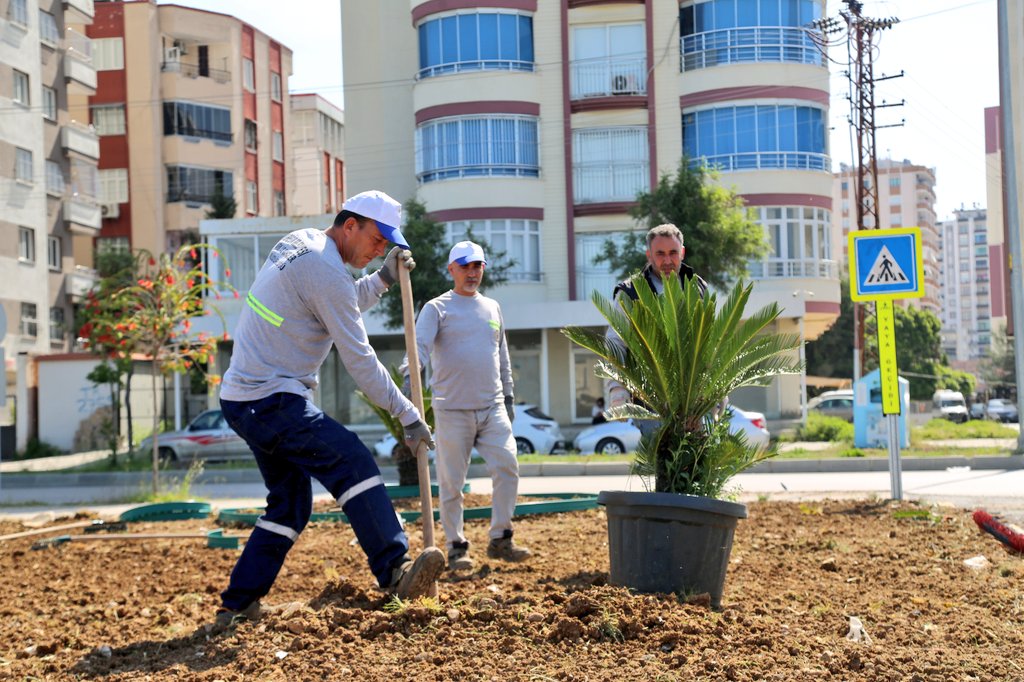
906,198
965,292
318,149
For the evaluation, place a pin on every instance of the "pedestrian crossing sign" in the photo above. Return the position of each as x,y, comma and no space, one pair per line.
886,264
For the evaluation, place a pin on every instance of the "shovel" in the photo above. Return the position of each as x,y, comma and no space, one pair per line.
214,539
89,526
416,389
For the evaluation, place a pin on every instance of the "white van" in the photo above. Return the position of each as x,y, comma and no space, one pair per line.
950,405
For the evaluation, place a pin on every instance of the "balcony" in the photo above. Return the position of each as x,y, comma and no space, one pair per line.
82,215
608,77
195,71
79,72
773,268
609,181
79,282
750,44
81,140
79,11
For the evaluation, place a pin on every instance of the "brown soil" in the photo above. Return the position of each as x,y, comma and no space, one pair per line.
130,610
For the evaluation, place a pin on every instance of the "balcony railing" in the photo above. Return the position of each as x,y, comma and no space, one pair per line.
78,67
608,77
83,215
767,160
475,65
773,268
195,71
80,139
84,8
609,181
749,44
79,282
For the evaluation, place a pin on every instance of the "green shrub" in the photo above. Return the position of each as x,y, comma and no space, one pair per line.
38,448
821,427
852,452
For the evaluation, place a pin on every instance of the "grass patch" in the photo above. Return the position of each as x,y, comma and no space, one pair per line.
575,458
943,429
176,492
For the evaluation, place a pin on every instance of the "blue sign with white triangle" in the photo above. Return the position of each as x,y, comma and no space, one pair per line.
886,264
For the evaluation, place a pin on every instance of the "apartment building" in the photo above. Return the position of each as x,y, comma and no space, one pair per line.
536,124
48,162
189,104
906,198
966,287
318,147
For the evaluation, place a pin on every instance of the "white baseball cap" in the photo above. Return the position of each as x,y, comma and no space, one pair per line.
383,210
465,253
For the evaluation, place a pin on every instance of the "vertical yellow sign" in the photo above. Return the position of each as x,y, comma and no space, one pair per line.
887,357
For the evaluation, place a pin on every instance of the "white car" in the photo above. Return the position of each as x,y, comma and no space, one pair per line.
534,431
618,437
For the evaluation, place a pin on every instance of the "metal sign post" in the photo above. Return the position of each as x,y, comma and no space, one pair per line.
886,265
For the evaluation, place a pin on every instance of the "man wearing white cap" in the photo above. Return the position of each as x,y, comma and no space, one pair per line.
461,335
302,302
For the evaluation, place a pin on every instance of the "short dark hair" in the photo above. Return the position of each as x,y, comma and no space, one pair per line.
664,230
340,219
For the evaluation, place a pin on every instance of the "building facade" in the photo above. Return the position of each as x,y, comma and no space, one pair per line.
318,147
966,288
536,124
906,198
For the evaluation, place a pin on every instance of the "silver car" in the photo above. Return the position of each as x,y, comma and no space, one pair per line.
208,437
618,437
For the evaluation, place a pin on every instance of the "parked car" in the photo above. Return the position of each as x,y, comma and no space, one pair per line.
534,431
1001,410
950,405
977,411
617,437
208,437
834,404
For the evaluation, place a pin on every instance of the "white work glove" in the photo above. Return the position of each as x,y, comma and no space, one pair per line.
510,408
389,271
618,396
417,433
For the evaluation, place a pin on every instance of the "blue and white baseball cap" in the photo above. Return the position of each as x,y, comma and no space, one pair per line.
383,210
465,253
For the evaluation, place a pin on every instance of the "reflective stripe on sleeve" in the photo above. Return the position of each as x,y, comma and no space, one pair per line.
277,529
263,311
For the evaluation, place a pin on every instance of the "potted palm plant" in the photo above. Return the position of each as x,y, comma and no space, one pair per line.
681,355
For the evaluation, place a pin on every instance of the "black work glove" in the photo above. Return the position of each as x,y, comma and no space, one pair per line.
417,433
510,408
396,256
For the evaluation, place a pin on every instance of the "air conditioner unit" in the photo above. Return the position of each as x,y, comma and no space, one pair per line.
110,210
172,54
624,84
182,47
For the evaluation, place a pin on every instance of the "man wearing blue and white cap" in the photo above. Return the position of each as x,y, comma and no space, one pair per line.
303,301
461,335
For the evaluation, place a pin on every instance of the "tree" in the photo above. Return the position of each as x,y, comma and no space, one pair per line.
719,236
999,369
221,206
153,315
919,355
430,249
831,354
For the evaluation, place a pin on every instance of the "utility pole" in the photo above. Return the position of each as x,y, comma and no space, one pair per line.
861,43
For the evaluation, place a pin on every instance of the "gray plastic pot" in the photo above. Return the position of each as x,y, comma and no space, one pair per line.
664,542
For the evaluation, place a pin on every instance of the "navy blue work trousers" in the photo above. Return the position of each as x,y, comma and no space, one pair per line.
294,441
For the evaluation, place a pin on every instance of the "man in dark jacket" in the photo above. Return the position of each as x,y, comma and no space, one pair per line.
665,253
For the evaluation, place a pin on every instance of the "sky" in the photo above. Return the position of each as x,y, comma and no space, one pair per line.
947,50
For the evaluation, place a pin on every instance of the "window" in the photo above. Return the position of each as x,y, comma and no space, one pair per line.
84,179
197,185
729,31
197,120
251,197
275,86
250,135
28,320
477,146
108,54
609,164
895,200
109,119
475,41
757,136
54,178
56,324
107,245
608,60
590,275
278,139
799,242
113,186
17,12
49,103
23,165
518,240
53,253
27,244
245,254
48,32
21,92
894,181
248,75
332,135
278,202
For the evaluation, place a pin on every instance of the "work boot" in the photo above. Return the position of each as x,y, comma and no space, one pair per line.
505,549
458,557
226,618
412,579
